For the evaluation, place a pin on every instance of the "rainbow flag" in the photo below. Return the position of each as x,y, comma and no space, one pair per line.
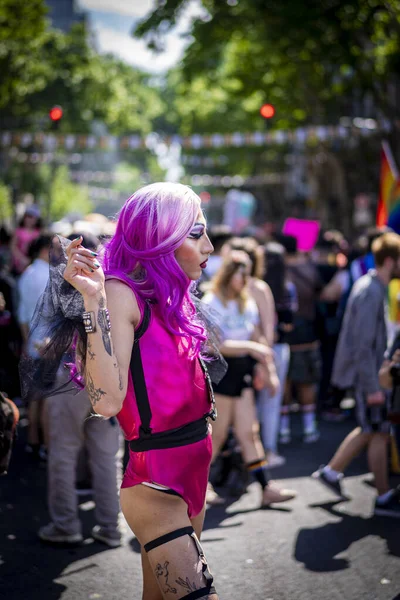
394,213
394,301
388,212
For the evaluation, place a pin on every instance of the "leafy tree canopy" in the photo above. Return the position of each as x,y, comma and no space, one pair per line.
65,196
22,33
41,67
309,58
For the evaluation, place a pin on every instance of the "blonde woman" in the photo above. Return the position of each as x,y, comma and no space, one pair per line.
248,361
269,398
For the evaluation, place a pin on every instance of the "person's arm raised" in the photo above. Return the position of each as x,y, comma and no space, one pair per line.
108,350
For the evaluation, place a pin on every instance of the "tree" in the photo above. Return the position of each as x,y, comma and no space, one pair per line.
314,60
22,33
6,211
41,67
91,87
309,58
66,197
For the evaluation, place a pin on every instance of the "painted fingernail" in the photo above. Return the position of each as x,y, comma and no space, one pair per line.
96,264
94,253
78,238
92,270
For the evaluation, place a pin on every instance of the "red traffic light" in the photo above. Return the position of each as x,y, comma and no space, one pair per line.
267,111
55,113
205,197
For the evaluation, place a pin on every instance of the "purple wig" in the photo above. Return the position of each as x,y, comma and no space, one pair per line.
151,225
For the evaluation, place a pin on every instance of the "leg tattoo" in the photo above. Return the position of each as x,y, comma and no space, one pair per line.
187,586
162,574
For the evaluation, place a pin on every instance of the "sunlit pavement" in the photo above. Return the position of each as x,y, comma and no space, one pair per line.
313,548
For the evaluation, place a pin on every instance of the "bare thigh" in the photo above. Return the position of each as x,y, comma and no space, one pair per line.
173,569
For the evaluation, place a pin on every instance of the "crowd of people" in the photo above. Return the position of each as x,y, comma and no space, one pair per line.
290,331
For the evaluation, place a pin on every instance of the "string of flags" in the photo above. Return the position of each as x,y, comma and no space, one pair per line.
50,141
75,158
222,181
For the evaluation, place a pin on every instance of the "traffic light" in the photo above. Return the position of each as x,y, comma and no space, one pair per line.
55,113
205,197
267,111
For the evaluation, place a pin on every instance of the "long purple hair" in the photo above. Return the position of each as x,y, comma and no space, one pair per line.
151,225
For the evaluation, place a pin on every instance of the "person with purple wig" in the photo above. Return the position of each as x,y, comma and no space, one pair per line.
145,365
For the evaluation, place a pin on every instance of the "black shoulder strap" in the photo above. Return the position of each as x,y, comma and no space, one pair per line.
138,379
145,322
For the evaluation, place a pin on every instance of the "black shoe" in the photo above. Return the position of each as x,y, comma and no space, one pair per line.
391,508
333,486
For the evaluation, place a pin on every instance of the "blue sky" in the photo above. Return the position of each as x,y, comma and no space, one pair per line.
112,22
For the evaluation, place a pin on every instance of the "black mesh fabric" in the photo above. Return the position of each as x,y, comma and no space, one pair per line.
58,331
215,362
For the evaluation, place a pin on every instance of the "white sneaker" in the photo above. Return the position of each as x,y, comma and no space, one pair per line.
50,533
312,436
275,460
212,498
284,436
101,535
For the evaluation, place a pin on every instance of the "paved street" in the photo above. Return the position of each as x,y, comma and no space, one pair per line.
312,549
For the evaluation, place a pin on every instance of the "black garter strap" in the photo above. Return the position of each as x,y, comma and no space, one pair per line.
168,537
202,593
206,571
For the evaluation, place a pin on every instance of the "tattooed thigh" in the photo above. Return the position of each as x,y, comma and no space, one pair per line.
179,569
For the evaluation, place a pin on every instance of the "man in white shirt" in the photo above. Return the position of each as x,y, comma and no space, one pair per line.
32,283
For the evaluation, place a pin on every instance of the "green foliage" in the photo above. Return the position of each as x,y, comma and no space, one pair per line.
6,211
121,97
22,33
41,67
91,87
128,177
309,58
66,197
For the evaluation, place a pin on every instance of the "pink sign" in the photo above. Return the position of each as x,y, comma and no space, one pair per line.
306,232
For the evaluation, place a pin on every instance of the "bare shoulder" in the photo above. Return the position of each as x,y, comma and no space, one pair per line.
122,301
261,287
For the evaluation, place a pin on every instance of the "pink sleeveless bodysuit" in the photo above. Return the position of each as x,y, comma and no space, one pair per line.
177,395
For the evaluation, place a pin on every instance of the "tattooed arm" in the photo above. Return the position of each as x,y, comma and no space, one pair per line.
109,352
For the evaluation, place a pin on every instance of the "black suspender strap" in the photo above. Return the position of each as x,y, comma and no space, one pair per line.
138,379
172,438
181,436
145,322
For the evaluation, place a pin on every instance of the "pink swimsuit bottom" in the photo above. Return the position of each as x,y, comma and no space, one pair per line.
184,470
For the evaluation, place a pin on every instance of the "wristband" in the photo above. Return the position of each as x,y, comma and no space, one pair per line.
89,322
